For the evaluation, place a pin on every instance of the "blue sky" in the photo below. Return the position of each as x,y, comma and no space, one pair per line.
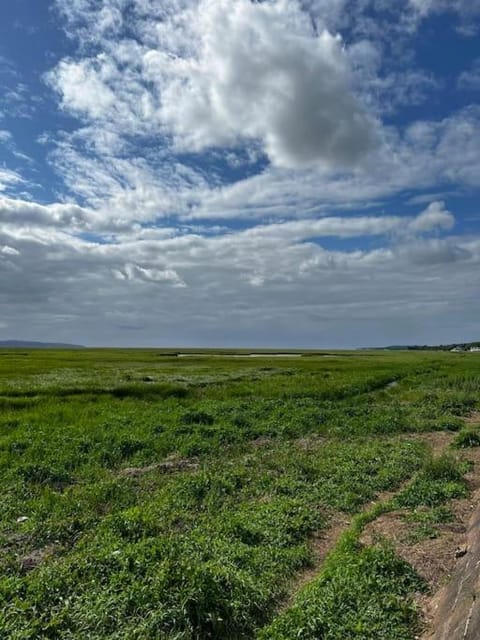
223,172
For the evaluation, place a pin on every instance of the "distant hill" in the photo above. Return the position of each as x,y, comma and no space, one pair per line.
26,344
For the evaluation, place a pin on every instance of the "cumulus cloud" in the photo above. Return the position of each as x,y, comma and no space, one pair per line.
83,87
280,84
261,72
287,93
433,252
426,154
251,72
435,216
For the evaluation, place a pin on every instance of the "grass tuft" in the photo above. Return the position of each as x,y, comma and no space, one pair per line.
467,437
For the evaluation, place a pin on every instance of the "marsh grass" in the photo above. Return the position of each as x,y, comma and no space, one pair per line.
211,551
468,437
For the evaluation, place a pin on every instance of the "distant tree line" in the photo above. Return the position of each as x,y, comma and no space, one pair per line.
458,346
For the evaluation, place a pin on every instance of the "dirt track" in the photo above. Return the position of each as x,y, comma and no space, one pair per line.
454,611
457,606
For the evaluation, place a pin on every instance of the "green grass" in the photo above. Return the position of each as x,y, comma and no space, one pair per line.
362,593
468,437
439,480
424,521
368,592
213,549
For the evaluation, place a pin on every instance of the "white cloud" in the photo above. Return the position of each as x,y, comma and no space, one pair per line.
433,252
252,71
466,10
237,289
435,216
9,251
470,79
21,212
278,82
84,90
260,72
5,136
287,92
124,190
137,273
428,153
8,178
424,7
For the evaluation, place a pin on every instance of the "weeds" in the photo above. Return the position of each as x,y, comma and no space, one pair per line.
424,521
440,479
467,437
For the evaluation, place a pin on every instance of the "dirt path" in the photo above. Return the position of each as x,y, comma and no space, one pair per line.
453,613
325,540
170,465
449,562
321,544
455,609
437,559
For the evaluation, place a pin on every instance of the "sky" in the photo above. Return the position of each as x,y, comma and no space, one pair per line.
276,173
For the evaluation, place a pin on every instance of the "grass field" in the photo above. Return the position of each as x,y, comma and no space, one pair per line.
151,496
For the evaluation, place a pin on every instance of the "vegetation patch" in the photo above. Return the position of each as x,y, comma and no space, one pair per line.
182,498
468,437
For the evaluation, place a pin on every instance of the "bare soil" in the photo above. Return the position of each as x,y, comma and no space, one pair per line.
171,465
36,557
